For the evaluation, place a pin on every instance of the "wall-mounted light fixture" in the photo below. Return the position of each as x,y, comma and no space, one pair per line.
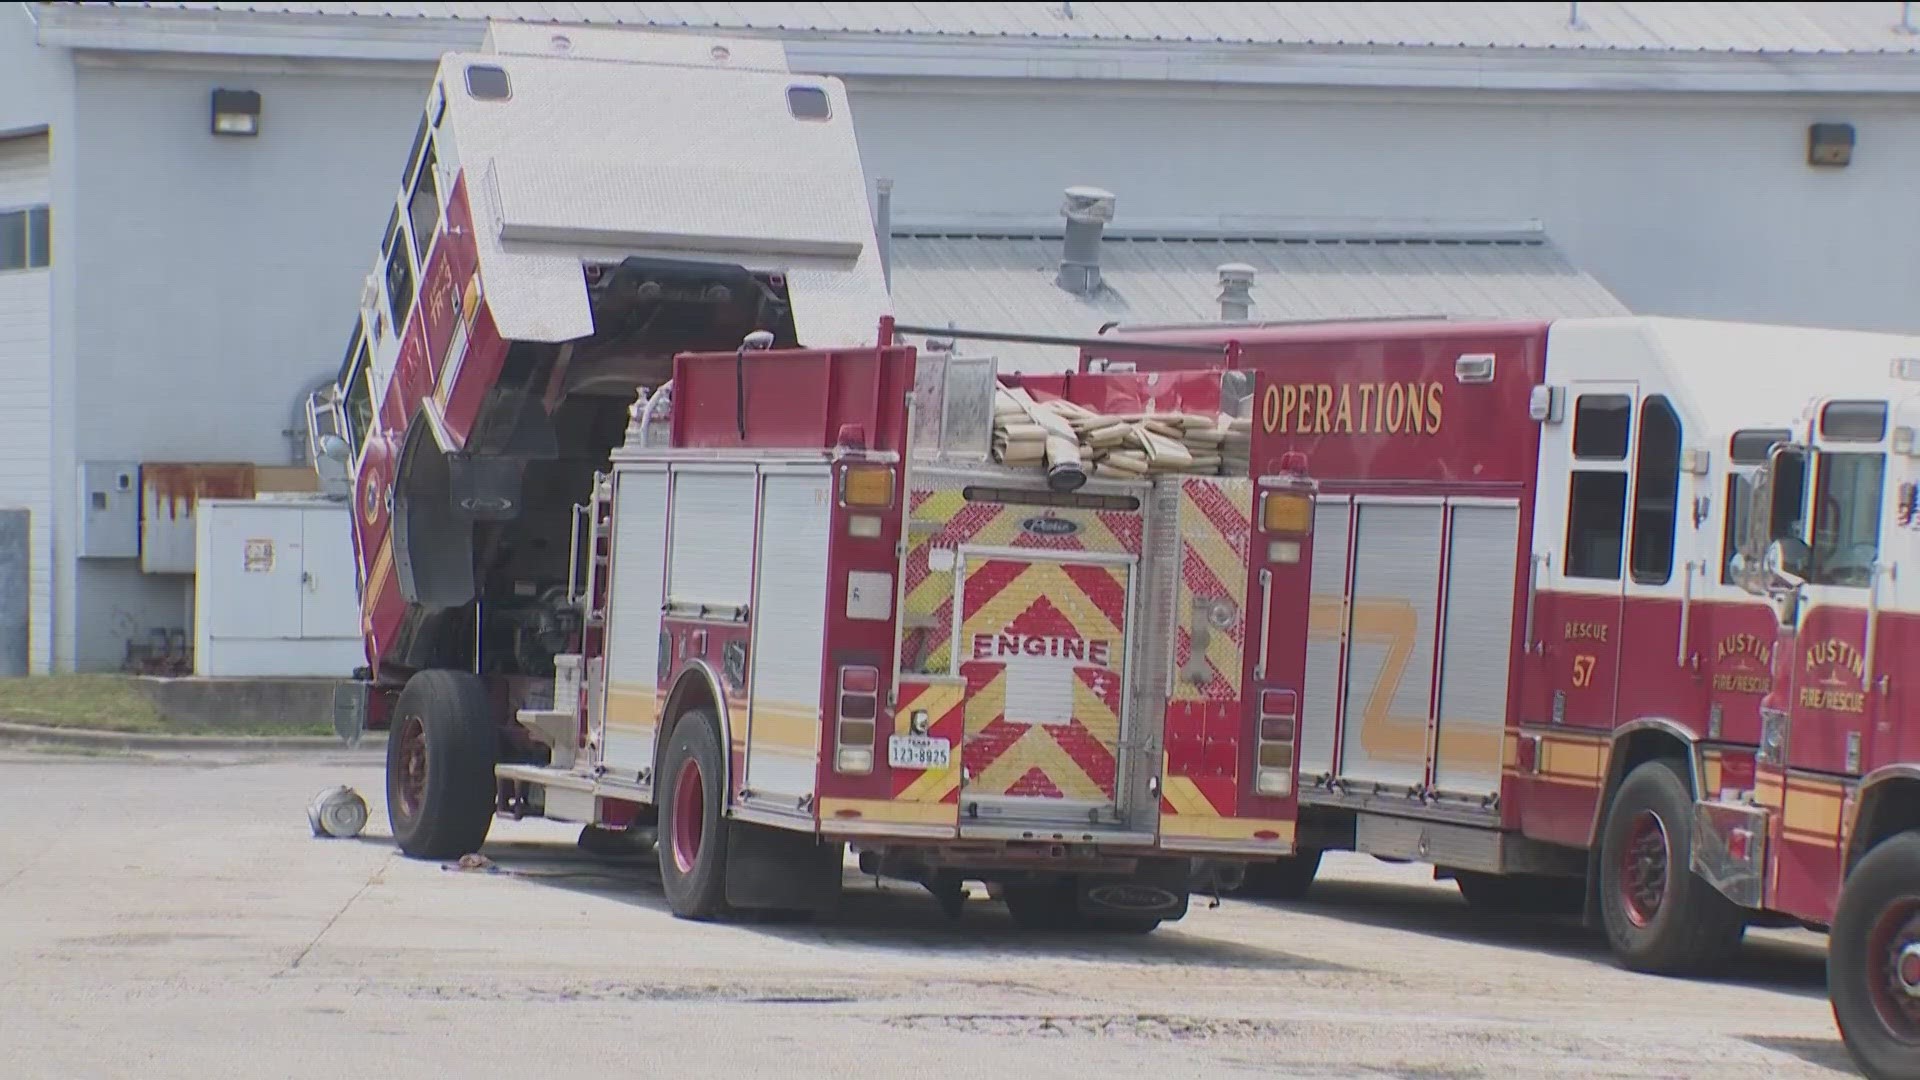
236,112
1830,145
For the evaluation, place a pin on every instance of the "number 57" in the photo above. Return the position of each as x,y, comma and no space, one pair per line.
1582,669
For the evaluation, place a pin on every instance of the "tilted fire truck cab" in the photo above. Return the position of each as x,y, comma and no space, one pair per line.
659,525
1562,650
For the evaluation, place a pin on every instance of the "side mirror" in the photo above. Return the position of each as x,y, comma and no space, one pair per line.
1786,560
335,449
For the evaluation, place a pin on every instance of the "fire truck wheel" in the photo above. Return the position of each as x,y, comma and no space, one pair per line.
1873,960
440,757
693,837
1282,879
1659,916
1520,894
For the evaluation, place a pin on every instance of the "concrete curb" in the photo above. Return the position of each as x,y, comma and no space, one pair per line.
18,734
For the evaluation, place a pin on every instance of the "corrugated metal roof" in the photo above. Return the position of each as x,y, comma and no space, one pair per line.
1803,27
1006,282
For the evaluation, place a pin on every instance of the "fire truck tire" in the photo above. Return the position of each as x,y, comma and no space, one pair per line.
693,835
1282,879
1520,894
1873,960
1659,916
440,756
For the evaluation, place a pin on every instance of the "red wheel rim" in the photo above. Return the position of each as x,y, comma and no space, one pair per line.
689,815
1643,868
413,765
1893,969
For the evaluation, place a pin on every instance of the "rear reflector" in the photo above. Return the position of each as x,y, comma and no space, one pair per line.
867,485
860,680
1286,512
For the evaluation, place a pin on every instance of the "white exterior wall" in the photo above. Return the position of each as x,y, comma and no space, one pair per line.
26,391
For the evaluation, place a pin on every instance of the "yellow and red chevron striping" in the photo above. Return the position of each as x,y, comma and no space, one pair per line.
1043,673
1215,526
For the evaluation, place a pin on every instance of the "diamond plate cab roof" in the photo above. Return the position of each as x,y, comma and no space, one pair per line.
614,143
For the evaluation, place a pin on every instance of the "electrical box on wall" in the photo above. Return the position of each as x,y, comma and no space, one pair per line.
109,510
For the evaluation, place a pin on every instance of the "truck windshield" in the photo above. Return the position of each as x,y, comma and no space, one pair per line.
1846,518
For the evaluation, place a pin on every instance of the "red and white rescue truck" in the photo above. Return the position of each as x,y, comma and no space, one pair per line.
661,529
1607,614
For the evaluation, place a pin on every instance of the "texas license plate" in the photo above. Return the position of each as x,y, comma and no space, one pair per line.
918,752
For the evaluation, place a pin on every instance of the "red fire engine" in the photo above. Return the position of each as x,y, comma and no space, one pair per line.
1606,615
655,532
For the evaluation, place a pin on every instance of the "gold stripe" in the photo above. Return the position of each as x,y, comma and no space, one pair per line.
783,725
631,708
1571,758
1816,812
1223,828
377,577
889,810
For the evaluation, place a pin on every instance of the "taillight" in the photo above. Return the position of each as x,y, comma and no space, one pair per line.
1279,725
857,719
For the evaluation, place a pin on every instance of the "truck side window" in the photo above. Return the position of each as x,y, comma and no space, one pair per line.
1746,448
1656,492
399,275
423,205
1846,518
359,390
1597,497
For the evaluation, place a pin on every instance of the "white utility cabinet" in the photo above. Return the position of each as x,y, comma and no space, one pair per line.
274,589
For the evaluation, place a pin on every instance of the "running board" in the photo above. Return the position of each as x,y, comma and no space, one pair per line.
570,795
1460,847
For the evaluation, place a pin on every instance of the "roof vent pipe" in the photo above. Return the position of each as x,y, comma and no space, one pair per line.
883,228
1236,291
1087,210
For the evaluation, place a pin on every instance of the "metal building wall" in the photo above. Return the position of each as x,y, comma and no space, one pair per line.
1680,204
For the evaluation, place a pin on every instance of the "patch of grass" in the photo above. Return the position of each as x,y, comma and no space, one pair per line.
95,702
117,703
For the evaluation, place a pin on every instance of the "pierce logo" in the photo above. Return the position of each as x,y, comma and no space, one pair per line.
1049,526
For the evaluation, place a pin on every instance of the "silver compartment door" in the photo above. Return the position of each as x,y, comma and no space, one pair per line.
1389,692
1469,742
638,569
1326,637
789,630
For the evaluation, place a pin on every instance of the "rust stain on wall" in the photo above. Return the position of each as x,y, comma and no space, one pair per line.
176,487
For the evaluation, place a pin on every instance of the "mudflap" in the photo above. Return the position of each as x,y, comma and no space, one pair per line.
772,869
1158,889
